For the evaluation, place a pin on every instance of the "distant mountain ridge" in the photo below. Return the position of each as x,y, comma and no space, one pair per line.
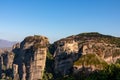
6,43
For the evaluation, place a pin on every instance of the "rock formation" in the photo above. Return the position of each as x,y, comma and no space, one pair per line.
66,53
30,58
69,50
6,62
86,51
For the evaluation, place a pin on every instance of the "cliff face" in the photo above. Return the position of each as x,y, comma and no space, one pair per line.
85,50
30,58
6,61
65,54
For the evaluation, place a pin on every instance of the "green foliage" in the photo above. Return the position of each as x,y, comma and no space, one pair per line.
48,73
90,59
118,61
110,72
94,34
47,76
49,55
98,37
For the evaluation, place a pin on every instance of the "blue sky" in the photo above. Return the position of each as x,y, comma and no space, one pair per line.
58,18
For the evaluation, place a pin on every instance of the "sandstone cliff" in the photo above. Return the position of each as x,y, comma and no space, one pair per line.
6,62
30,58
98,50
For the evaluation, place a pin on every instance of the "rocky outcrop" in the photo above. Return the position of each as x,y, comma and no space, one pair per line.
86,51
69,50
66,53
6,62
30,58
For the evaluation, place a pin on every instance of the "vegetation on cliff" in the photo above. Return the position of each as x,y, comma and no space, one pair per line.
90,59
104,48
98,37
110,72
48,72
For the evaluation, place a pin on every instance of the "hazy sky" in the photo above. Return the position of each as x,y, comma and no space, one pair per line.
58,18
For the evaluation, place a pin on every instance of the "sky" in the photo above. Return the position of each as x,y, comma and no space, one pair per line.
58,18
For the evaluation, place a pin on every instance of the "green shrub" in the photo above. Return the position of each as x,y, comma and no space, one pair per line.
90,59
